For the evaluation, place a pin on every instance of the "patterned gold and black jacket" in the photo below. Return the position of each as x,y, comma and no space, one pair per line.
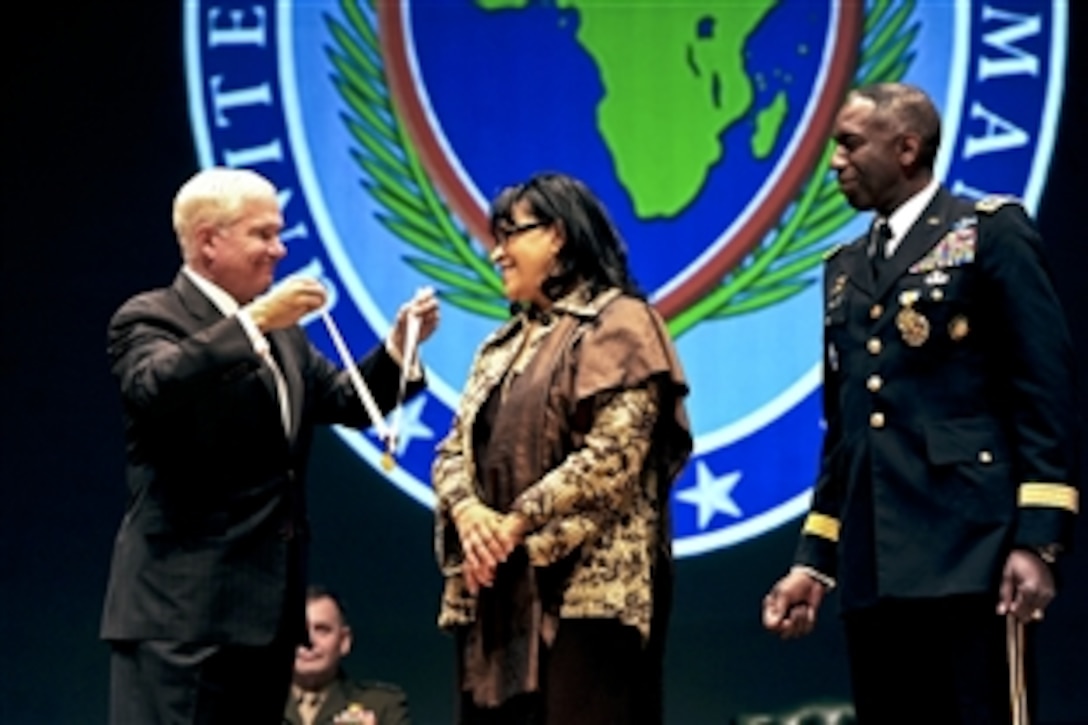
611,437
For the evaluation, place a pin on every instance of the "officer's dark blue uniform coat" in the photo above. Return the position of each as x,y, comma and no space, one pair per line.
949,404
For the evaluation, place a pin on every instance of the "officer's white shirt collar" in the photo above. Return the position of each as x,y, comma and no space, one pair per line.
218,296
229,306
903,218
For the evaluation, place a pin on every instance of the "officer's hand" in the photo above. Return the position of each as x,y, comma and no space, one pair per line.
789,609
286,304
1027,586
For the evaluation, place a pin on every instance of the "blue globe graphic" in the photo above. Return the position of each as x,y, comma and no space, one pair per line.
516,93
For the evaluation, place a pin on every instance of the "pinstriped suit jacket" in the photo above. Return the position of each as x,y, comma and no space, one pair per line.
212,544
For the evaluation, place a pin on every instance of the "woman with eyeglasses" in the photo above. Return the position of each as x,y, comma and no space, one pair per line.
552,529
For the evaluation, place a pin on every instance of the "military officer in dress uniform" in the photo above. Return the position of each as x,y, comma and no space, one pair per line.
945,496
321,691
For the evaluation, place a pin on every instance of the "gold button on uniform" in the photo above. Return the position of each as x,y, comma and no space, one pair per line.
874,383
876,420
985,457
876,311
874,346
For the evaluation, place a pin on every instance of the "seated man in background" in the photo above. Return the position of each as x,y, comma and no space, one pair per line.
321,693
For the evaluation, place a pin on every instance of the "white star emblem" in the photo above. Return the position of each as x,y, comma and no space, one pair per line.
712,494
409,425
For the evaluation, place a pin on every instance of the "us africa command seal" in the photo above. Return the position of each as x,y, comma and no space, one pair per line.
703,126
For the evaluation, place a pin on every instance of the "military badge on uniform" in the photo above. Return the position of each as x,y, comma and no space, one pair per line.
936,277
912,324
955,249
835,295
958,328
355,714
934,280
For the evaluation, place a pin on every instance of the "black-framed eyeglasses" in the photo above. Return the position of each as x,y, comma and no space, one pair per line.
504,234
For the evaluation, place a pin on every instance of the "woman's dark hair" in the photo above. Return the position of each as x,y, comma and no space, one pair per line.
593,250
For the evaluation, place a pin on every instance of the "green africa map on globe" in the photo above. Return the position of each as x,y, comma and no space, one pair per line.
706,93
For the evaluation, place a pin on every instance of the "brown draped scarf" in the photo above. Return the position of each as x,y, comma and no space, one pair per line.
524,430
520,610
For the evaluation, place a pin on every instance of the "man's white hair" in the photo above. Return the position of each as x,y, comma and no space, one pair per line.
214,196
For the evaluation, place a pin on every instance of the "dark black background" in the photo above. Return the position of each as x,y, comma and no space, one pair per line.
96,122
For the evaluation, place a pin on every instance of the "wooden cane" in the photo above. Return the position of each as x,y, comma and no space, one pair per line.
1014,645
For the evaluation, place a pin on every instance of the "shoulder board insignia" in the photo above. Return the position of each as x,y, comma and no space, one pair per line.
990,204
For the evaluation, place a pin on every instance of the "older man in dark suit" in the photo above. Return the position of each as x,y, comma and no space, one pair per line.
221,393
946,489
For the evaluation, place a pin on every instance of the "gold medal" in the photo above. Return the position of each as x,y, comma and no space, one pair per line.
913,326
958,328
